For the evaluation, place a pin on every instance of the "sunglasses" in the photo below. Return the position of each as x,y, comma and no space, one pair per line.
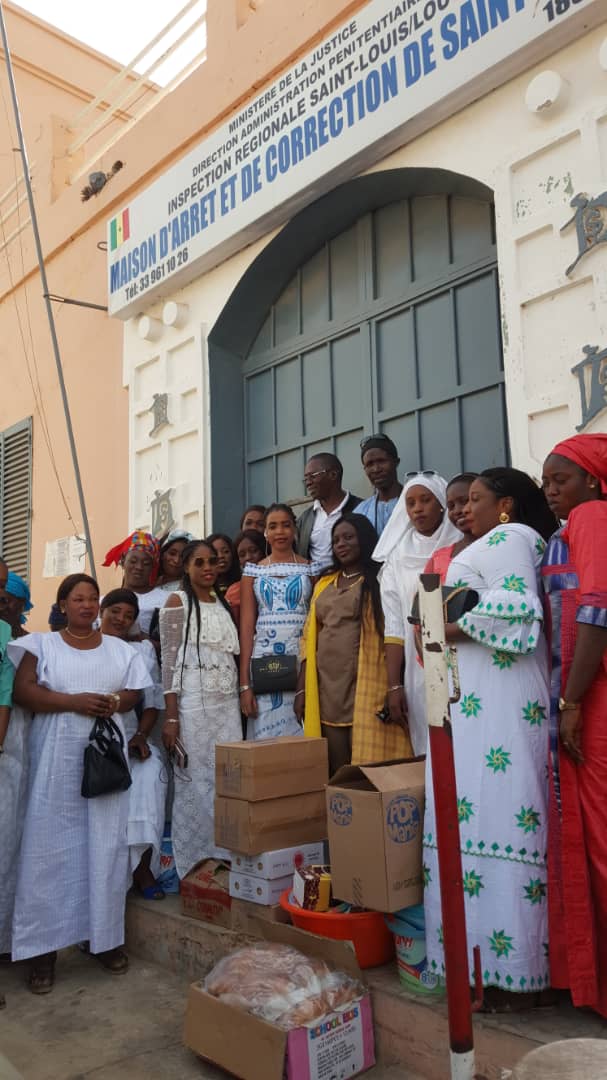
374,438
210,561
420,472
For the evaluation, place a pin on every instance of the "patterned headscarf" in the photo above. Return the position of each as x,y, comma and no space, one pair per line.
137,541
587,451
16,586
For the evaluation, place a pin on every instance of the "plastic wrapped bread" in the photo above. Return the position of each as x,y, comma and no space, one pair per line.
280,984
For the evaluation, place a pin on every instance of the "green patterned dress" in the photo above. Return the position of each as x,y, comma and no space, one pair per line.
500,734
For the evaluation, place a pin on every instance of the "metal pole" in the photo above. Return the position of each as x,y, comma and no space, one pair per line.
447,831
45,291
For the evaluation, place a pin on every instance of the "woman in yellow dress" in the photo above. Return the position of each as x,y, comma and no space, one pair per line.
343,680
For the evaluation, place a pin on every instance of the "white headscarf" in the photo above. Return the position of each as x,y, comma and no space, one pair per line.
414,548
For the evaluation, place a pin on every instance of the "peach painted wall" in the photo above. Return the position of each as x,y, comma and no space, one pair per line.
56,76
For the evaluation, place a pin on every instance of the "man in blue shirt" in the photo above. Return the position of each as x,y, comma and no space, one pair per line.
380,461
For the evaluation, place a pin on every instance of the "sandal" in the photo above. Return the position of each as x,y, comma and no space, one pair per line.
113,960
41,978
152,892
145,883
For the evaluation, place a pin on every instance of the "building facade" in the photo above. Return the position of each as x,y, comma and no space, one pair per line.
354,216
431,292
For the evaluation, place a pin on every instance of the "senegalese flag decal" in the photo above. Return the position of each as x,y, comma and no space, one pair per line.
119,230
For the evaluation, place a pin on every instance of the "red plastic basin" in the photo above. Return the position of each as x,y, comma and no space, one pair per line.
367,930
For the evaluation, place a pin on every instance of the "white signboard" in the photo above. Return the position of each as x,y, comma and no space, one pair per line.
390,72
64,556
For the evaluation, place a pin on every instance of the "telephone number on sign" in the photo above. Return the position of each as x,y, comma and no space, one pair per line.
156,274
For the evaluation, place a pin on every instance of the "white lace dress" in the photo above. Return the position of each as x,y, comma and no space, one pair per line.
204,676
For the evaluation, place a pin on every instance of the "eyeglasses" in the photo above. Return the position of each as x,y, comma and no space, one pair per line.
420,472
313,475
374,438
211,561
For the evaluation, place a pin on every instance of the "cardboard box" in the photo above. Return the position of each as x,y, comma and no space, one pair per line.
258,890
375,820
340,1045
312,887
205,893
246,916
275,864
253,827
271,768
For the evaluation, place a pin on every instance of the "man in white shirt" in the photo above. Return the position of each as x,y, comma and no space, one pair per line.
323,478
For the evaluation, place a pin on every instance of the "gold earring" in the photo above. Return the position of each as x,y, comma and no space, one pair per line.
504,518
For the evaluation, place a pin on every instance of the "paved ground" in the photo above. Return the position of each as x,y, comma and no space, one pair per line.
103,1026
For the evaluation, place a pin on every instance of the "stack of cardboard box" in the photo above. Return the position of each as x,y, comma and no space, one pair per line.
270,813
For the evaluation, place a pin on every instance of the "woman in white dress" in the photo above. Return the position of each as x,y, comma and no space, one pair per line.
419,525
147,793
74,853
200,679
274,603
170,571
500,739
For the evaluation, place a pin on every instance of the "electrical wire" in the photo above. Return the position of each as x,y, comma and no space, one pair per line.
34,383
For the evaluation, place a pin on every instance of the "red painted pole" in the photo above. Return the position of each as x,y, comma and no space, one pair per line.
457,972
452,891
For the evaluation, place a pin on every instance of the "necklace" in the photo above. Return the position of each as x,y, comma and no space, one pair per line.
79,637
293,559
351,584
349,577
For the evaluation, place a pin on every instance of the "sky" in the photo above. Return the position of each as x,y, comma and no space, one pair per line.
121,28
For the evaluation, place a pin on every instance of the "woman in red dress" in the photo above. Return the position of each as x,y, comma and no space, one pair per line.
575,581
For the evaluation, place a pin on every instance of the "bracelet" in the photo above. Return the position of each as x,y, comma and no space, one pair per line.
241,689
116,699
399,686
171,720
143,734
298,692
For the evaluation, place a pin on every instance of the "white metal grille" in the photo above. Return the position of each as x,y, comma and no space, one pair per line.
16,496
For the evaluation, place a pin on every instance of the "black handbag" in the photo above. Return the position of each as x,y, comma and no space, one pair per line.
105,767
457,600
274,674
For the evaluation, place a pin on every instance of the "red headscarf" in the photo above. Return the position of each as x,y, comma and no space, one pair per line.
137,541
589,452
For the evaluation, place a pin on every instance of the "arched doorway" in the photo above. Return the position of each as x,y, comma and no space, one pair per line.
376,308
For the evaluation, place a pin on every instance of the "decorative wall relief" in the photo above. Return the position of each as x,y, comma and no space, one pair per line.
590,219
160,411
162,512
591,373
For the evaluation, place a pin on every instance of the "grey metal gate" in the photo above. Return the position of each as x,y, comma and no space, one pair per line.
393,325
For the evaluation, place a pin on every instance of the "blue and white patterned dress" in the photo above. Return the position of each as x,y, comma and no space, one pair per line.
282,592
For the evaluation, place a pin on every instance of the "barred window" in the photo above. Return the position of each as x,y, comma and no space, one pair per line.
16,496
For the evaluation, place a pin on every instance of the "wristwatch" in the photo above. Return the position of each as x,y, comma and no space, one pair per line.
567,706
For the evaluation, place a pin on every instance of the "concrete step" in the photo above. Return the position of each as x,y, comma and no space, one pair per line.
411,1032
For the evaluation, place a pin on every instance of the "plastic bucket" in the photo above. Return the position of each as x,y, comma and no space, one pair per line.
373,942
409,929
